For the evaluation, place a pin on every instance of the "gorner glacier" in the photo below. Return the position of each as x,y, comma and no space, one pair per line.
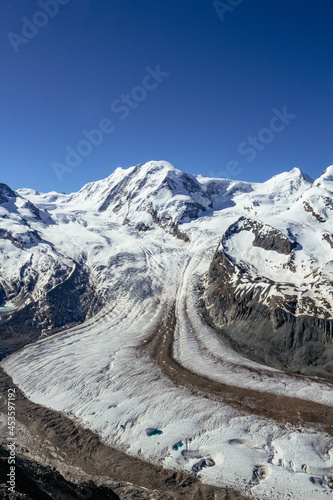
187,320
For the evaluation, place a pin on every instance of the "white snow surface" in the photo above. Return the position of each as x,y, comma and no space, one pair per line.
93,372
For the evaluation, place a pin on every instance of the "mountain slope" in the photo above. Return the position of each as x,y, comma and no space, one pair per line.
61,244
270,285
124,264
44,287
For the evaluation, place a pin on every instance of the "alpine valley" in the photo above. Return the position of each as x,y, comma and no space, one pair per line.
186,321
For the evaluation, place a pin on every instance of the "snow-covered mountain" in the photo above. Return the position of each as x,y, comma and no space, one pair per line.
276,236
270,284
213,260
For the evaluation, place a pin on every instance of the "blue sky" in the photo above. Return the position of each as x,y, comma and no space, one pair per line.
234,88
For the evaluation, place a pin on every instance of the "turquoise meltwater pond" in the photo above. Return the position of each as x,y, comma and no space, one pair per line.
6,309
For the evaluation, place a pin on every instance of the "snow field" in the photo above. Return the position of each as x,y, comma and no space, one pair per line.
95,373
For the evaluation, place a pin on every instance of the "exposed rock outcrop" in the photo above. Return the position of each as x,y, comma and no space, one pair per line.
71,300
265,237
260,318
5,193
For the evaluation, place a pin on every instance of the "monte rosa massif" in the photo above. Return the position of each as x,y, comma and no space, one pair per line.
188,321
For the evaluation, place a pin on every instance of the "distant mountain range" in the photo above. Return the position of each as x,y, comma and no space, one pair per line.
269,286
186,320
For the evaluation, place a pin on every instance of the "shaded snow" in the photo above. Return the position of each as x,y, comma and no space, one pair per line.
92,372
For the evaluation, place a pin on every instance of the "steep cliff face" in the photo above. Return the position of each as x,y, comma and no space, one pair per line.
69,299
265,306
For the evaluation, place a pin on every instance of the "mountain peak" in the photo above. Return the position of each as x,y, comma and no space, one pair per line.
294,173
328,171
288,182
326,179
155,166
6,193
327,175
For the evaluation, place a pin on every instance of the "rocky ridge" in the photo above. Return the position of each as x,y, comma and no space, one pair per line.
274,260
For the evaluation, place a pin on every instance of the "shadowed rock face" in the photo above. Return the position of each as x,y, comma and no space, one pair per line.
5,193
169,225
267,333
124,194
265,237
72,301
329,238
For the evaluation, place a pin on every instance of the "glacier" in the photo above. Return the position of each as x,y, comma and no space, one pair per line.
134,352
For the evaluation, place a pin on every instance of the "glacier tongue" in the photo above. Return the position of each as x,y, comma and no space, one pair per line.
126,261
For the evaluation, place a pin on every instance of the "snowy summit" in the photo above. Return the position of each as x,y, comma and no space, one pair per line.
120,299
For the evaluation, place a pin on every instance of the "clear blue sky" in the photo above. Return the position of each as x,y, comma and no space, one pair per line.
227,72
